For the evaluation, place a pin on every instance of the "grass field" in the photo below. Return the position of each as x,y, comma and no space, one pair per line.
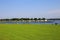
29,32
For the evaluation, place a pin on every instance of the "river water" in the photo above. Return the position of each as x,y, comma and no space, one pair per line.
48,22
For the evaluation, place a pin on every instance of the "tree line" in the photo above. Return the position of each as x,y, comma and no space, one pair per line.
21,19
27,19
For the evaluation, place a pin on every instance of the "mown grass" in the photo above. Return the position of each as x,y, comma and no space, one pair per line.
29,32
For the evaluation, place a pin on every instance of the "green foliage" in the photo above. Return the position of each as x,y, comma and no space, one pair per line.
43,18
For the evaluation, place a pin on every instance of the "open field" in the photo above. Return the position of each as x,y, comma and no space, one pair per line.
29,32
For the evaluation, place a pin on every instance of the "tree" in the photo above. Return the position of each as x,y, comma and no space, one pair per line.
15,19
39,18
43,19
35,19
7,19
21,19
31,19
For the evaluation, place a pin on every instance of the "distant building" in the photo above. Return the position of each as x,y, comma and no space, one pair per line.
46,20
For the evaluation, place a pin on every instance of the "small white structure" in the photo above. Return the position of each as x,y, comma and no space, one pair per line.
46,20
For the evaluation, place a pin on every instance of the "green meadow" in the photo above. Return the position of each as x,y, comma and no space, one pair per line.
29,32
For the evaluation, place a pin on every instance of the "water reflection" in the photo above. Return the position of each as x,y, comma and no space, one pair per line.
19,22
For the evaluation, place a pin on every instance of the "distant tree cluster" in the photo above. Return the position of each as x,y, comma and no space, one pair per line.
21,19
27,19
54,19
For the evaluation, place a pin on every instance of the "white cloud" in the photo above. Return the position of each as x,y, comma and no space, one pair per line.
56,11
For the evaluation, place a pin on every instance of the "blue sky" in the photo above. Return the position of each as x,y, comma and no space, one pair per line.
29,8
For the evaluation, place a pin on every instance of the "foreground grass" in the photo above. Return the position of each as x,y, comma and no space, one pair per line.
29,32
